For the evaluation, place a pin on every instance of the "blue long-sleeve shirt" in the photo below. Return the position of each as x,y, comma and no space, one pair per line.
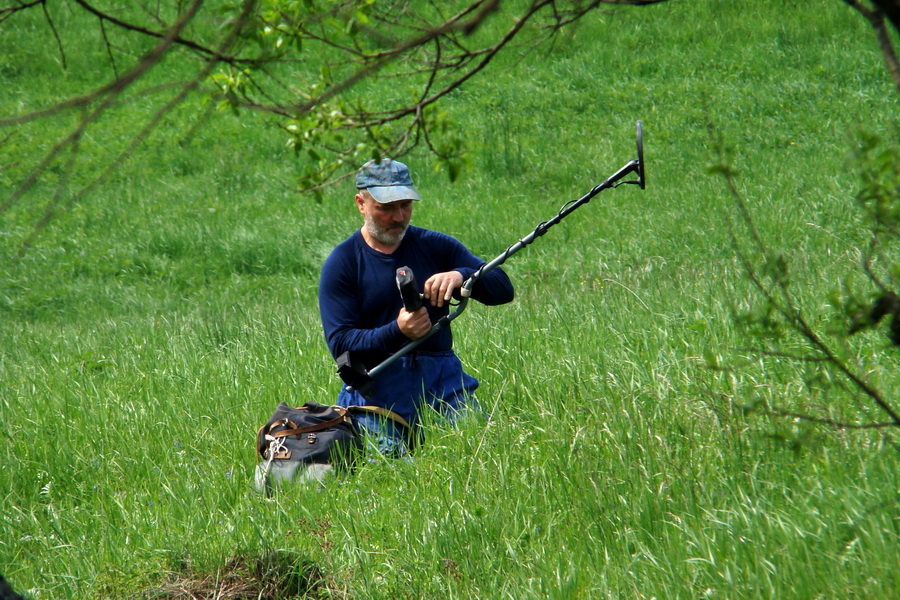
359,301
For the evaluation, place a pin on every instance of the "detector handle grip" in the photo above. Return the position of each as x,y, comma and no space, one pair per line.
409,291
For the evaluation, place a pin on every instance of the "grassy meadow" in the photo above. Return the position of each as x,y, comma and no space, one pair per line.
154,326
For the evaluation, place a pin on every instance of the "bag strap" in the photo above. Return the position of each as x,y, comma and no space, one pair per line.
384,412
413,437
342,417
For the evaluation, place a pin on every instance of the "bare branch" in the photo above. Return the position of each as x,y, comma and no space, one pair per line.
801,326
62,52
439,56
112,60
455,25
875,17
382,59
784,303
111,92
152,124
891,9
6,13
160,35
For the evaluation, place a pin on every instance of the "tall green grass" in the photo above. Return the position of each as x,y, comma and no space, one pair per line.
154,326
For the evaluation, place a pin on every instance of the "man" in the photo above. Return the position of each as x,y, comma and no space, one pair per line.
362,311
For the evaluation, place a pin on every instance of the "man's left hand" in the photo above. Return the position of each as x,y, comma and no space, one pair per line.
439,287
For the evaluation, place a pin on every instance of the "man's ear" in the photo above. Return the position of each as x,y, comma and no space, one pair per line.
361,203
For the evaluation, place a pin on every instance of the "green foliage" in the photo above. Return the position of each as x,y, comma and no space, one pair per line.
878,166
781,327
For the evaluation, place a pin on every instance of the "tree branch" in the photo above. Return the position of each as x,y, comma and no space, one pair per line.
62,52
784,304
6,13
228,41
348,40
144,31
875,16
111,92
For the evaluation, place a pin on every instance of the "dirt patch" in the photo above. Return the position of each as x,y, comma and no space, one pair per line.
276,576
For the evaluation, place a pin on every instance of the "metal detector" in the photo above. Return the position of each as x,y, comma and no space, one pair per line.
355,375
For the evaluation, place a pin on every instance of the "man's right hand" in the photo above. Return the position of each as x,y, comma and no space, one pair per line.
414,324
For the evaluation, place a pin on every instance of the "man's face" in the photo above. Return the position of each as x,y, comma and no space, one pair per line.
386,222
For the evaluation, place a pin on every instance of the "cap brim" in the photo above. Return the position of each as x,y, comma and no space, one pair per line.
393,193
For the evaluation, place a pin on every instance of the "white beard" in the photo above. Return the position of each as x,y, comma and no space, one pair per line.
388,238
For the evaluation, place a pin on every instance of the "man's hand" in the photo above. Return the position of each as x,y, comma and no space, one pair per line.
414,324
439,287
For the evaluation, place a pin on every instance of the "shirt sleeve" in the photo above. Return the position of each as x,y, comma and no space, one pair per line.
341,313
493,288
